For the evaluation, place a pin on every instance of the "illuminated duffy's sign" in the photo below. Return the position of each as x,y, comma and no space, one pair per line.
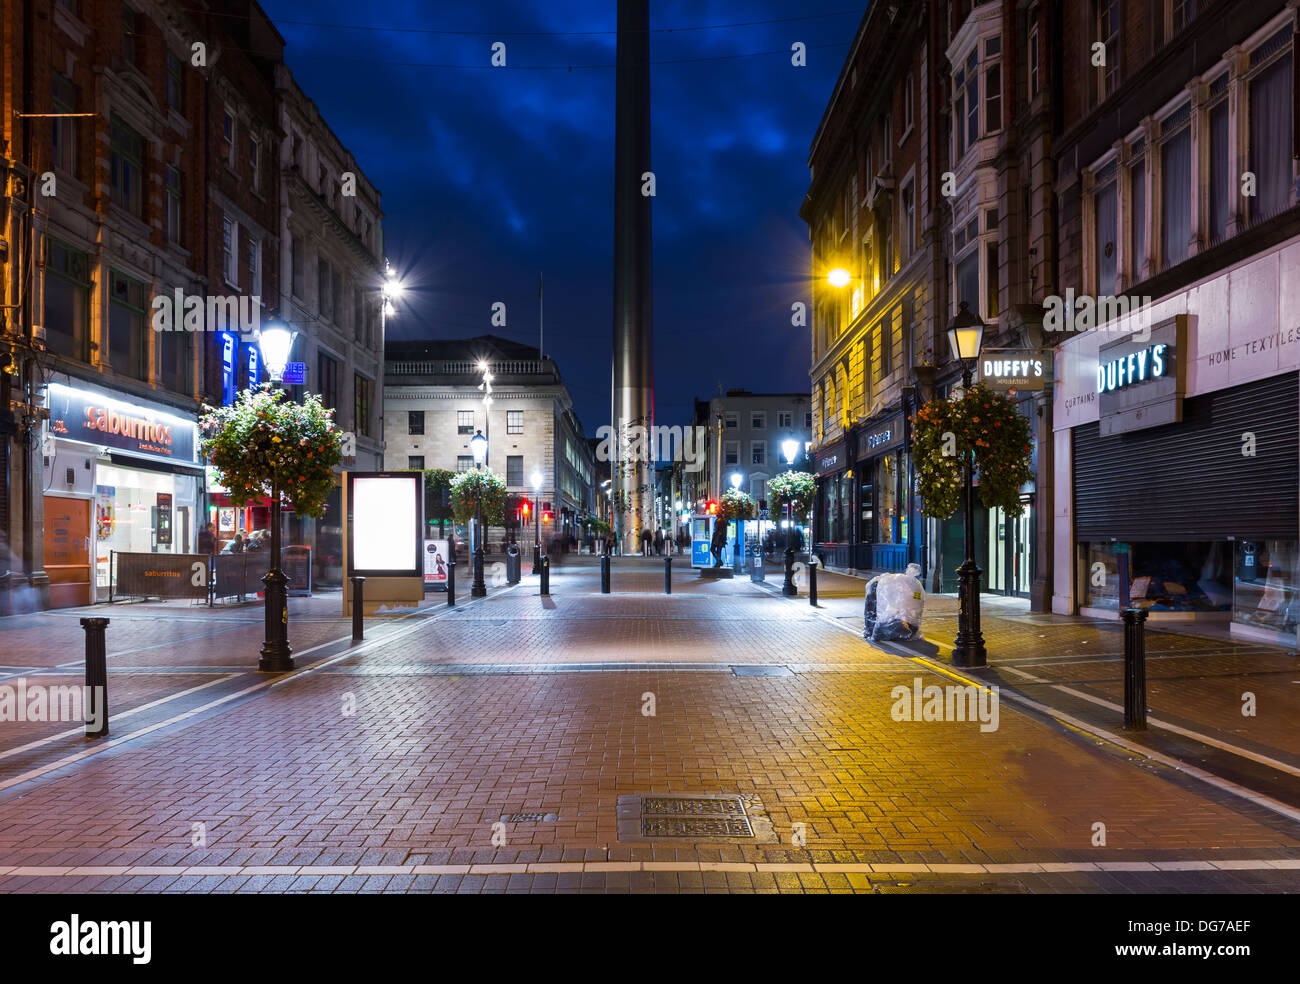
1135,367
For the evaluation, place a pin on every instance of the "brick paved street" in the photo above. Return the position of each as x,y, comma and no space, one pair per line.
384,767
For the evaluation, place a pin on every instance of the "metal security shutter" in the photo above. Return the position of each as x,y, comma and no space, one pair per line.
1190,481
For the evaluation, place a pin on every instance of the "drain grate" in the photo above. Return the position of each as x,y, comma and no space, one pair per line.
529,818
703,817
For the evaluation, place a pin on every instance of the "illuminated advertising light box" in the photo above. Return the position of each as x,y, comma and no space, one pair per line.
383,521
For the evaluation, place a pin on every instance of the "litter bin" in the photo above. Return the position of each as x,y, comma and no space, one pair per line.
512,564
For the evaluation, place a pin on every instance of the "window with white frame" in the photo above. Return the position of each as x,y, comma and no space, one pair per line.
1137,211
255,163
992,85
230,251
1105,199
730,419
731,452
1032,75
1221,181
464,421
784,419
887,133
908,210
758,453
908,85
1107,24
514,421
758,420
173,190
228,135
1178,14
254,247
807,420
1269,114
65,128
966,103
1175,186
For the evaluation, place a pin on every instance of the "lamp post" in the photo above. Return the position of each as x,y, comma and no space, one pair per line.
536,479
789,448
275,343
965,335
478,446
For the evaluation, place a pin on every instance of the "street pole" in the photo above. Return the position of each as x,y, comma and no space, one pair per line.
276,652
968,647
478,589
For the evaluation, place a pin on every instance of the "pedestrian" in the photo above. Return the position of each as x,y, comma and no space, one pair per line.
659,541
609,544
645,542
237,544
207,540
718,541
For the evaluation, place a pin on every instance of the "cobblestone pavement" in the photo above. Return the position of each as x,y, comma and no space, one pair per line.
494,748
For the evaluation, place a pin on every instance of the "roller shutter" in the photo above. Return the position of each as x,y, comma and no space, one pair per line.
1190,481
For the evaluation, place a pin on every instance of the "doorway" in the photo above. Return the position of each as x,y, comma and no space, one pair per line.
67,550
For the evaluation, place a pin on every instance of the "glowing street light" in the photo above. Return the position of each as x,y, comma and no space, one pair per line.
736,479
275,343
839,277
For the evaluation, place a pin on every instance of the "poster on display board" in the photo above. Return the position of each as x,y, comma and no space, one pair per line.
383,524
163,521
104,511
436,555
226,520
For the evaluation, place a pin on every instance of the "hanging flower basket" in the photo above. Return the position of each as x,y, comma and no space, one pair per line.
795,488
471,487
736,504
943,431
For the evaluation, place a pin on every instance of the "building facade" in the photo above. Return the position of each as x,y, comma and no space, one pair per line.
433,407
1175,424
745,438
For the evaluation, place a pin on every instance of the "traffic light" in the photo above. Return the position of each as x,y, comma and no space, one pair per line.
713,508
527,509
546,516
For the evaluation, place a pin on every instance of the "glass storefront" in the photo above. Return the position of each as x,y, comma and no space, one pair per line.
835,513
1266,585
1194,576
141,511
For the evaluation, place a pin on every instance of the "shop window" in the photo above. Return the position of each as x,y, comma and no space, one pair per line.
1192,576
67,301
415,421
128,345
887,499
126,162
1266,585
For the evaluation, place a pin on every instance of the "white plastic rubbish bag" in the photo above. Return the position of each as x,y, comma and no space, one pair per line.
893,606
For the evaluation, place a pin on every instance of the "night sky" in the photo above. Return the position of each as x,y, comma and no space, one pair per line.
492,175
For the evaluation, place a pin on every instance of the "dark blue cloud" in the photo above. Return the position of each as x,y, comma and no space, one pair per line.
490,175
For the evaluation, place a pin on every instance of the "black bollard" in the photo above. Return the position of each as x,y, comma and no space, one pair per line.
546,575
358,600
604,574
451,582
513,564
668,575
1135,669
812,581
96,673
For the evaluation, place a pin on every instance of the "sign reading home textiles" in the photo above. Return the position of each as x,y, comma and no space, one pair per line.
1015,370
96,418
1141,380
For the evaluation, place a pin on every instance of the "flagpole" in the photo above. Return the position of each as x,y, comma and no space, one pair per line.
540,333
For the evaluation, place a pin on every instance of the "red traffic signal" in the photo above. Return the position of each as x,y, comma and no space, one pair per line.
713,508
528,508
546,517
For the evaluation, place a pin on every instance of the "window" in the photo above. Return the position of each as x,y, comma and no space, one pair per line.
464,421
65,129
1270,130
296,264
358,313
1033,62
731,452
324,295
1220,180
784,419
1180,14
1176,193
514,470
730,419
415,421
907,102
885,343
329,381
254,163
173,205
807,420
230,252
174,359
966,103
993,99
886,245
1108,34
254,266
514,421
992,275
1106,250
1137,176
464,462
758,420
67,301
758,452
125,166
361,387
175,83
968,280
128,346
130,34
228,135
909,220
415,462
887,132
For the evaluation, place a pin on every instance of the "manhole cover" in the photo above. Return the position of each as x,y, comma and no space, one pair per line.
702,817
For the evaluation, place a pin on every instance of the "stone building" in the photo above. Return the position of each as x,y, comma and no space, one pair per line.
433,407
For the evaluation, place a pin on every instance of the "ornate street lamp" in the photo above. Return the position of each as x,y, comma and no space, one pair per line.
789,449
276,343
965,335
478,446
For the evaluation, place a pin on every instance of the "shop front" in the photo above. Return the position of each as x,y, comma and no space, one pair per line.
1178,447
883,533
833,517
121,476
